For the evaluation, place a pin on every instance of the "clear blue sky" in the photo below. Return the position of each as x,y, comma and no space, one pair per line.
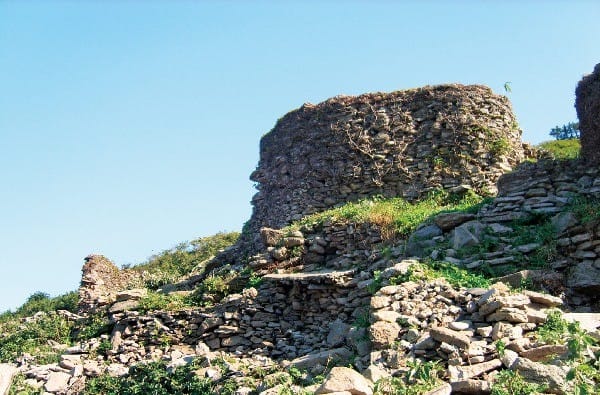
129,126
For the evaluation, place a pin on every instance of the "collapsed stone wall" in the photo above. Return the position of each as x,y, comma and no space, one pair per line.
403,143
290,315
100,282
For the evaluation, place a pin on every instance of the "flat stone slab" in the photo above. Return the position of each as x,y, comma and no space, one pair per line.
588,321
321,357
7,373
324,276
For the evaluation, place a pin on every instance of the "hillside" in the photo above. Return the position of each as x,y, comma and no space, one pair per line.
441,255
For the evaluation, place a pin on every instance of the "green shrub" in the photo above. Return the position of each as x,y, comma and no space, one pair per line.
20,387
555,328
41,301
92,326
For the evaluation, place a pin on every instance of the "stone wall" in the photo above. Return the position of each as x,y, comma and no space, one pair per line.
403,143
587,104
289,316
100,282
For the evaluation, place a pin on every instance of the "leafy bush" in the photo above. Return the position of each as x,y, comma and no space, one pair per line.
554,329
93,326
562,149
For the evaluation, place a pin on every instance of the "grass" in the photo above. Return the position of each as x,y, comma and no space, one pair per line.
586,209
396,217
562,149
420,378
170,265
33,336
456,276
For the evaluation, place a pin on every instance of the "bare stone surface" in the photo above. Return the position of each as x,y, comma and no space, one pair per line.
7,372
345,379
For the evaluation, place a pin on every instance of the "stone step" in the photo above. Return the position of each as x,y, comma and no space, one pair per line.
342,278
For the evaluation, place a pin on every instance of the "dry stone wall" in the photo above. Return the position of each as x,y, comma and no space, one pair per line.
101,280
404,143
587,104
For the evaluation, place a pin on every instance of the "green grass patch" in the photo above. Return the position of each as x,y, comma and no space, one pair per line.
562,149
586,209
456,276
32,336
170,265
419,379
396,217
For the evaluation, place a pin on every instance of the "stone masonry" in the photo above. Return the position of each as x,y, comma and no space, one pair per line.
403,143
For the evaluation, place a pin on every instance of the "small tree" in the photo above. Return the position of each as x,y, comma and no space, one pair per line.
565,132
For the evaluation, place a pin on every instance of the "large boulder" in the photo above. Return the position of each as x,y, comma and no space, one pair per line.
587,104
342,379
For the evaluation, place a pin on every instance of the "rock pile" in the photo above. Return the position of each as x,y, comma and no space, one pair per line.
434,321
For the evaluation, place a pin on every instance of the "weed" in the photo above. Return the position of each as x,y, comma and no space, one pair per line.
183,259
586,209
375,284
93,326
455,275
500,347
363,319
554,329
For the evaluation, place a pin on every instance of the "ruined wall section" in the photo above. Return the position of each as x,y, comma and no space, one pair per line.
403,143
